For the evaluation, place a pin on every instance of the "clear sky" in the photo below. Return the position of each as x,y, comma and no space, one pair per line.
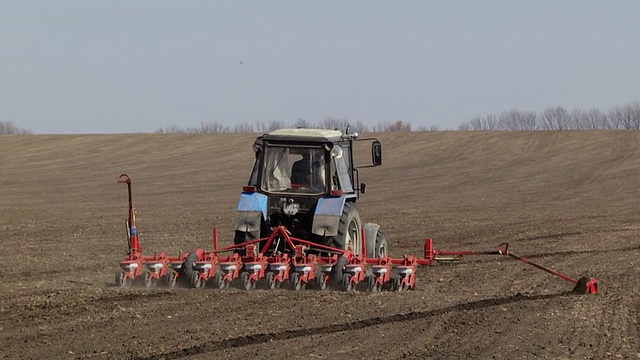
129,66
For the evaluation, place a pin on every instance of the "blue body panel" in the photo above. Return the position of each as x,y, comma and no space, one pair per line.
253,202
330,206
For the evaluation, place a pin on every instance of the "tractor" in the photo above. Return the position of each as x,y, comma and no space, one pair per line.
306,181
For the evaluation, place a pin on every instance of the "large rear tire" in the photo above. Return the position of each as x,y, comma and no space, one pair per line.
349,231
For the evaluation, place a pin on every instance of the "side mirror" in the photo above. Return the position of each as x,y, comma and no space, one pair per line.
376,153
363,187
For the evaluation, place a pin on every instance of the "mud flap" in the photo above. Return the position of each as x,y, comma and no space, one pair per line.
252,208
326,219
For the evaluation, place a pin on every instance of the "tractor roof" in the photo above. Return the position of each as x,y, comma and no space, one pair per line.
306,134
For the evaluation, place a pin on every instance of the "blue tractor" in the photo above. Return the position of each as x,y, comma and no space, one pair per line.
306,180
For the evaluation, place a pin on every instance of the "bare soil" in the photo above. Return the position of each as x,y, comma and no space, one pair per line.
567,200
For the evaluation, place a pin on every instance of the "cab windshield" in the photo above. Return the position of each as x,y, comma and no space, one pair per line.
294,170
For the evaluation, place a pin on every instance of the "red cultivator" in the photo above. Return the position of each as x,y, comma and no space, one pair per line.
297,263
300,264
149,270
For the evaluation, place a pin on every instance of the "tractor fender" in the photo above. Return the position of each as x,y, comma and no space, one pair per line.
371,234
326,218
252,209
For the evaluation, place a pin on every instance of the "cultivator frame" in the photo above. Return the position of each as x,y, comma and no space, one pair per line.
281,258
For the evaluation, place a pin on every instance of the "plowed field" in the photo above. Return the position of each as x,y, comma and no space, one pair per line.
568,200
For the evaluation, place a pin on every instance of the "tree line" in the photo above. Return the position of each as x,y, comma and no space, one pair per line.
620,117
263,127
624,117
9,128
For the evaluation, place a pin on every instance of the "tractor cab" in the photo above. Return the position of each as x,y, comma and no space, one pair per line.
294,170
301,162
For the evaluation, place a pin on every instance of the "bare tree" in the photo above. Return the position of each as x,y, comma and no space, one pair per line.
594,119
302,124
275,125
491,121
527,120
398,125
208,128
477,123
333,123
508,120
555,118
616,117
171,129
578,119
464,126
243,127
632,116
359,126
430,128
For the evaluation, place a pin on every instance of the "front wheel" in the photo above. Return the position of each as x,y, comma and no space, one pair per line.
271,283
295,281
346,282
245,279
372,284
170,278
121,280
219,282
321,281
196,280
146,278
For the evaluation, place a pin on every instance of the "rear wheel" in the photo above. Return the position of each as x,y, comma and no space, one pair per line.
349,230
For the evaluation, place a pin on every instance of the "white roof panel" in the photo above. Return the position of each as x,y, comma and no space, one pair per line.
324,133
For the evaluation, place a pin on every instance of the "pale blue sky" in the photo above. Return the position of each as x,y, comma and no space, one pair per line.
129,66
